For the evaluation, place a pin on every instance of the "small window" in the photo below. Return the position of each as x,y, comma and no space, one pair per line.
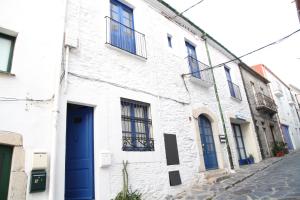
6,52
136,126
170,41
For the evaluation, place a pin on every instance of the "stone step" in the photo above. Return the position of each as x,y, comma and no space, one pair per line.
216,176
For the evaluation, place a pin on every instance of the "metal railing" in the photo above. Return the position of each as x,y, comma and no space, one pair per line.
265,101
125,38
234,90
138,143
200,70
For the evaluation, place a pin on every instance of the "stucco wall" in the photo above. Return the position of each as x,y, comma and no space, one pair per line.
38,26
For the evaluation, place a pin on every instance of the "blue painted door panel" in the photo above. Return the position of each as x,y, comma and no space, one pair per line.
192,58
239,141
79,171
287,137
208,144
122,28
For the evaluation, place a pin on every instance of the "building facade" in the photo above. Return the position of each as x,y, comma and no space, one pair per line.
110,87
263,108
286,107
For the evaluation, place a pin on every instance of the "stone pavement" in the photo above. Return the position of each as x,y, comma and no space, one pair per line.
273,178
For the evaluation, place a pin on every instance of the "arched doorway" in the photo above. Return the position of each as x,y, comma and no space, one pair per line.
208,144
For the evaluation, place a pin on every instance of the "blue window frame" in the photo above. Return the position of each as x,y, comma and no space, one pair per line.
230,83
136,126
193,62
7,44
122,26
240,145
170,41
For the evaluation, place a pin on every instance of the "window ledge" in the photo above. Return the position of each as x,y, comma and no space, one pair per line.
6,73
236,99
126,52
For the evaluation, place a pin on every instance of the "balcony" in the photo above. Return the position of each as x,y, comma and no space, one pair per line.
234,90
265,103
125,38
200,73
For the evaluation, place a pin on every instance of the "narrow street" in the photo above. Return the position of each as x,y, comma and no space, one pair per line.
279,181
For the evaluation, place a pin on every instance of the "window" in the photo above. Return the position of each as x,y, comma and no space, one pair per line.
253,90
6,52
170,41
193,62
233,88
122,28
136,126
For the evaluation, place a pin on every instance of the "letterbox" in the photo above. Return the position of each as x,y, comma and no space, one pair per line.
38,181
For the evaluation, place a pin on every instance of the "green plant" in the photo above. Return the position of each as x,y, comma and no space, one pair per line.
278,147
251,156
127,194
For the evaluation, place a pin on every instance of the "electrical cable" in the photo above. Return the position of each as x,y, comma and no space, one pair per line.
251,52
27,99
187,9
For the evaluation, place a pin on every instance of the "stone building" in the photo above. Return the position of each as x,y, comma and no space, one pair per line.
287,112
263,109
106,85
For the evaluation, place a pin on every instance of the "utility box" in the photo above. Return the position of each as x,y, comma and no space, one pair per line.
38,181
40,161
105,159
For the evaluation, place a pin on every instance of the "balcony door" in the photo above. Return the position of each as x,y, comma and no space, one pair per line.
230,84
192,58
122,28
240,145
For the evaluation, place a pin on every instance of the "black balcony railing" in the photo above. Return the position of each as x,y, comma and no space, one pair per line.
138,143
265,103
200,70
125,38
234,90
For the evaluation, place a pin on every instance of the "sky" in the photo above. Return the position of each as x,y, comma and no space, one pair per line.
245,25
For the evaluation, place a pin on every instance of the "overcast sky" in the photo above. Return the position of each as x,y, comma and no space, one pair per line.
245,25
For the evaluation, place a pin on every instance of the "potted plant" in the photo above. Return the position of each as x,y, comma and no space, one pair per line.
250,159
278,149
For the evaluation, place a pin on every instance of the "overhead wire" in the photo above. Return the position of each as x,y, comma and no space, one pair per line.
192,6
251,52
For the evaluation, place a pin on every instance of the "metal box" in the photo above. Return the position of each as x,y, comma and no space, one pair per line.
38,181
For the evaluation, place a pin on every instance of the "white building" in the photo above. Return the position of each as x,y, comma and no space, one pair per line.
120,94
286,103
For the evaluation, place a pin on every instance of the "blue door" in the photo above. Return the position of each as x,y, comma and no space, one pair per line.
287,137
122,29
79,169
192,58
240,145
230,84
208,144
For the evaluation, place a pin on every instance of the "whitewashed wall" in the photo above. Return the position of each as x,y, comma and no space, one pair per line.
39,28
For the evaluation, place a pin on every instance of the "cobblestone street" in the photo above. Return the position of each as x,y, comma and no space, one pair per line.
274,178
279,181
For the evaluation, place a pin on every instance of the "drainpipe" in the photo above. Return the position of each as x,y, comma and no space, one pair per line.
252,114
66,67
219,104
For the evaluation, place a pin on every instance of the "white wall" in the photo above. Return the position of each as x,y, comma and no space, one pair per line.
36,59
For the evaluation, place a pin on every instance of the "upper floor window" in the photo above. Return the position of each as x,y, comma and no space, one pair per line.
6,52
192,58
170,41
233,88
136,126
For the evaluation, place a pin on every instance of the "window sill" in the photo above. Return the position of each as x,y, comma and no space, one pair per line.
126,52
6,73
236,99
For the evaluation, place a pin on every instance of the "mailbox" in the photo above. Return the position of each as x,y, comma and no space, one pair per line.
38,181
222,138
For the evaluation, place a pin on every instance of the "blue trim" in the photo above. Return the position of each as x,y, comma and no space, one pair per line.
192,58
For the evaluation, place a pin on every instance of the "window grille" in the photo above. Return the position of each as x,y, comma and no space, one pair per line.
136,126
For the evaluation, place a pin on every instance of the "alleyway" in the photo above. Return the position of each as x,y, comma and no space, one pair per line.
279,181
274,178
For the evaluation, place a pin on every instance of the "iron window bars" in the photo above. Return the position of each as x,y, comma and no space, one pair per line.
136,126
234,90
125,38
199,70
